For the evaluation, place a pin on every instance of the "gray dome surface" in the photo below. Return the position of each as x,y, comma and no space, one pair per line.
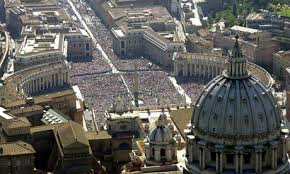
230,107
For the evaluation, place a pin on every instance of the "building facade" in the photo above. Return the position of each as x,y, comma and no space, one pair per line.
16,157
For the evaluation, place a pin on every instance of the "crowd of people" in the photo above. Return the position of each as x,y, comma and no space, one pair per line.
96,65
193,86
155,88
99,91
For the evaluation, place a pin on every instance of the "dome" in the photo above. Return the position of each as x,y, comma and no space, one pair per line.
161,133
236,107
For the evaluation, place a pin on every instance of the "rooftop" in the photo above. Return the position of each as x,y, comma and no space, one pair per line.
17,122
16,148
30,3
71,133
100,135
53,116
41,44
245,29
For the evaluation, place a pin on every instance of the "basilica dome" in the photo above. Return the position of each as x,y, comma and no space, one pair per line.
235,107
236,126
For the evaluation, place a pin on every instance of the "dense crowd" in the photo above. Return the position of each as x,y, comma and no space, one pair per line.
94,66
155,88
99,91
192,86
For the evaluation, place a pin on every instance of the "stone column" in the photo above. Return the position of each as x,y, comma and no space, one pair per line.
258,159
175,68
190,139
239,158
284,137
219,158
61,78
169,153
274,145
147,151
202,145
157,154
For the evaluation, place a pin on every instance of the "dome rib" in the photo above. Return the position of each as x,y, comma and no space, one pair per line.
264,104
252,109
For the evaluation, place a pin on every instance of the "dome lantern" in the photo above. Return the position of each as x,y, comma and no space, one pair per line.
236,63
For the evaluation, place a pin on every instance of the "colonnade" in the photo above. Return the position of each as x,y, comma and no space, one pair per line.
198,65
44,81
198,154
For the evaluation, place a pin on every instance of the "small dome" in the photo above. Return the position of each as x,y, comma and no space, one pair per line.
161,133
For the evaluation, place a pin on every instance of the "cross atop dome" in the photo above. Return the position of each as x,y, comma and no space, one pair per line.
236,50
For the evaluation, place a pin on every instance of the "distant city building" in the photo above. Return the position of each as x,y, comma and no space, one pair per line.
279,27
257,46
31,21
281,61
5,49
79,44
191,16
40,49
